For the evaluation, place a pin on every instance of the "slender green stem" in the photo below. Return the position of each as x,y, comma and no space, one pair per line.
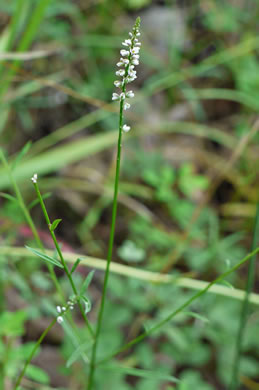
109,256
37,239
245,307
41,338
53,236
180,308
125,74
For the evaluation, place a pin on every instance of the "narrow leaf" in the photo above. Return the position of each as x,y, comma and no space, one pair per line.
226,283
75,266
36,201
155,375
80,352
196,315
55,224
86,283
45,257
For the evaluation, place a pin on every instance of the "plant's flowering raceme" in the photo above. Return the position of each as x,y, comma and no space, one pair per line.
129,59
34,178
62,310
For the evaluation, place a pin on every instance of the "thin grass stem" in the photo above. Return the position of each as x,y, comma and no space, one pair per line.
245,307
39,341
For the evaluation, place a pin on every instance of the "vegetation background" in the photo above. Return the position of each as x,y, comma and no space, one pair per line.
188,191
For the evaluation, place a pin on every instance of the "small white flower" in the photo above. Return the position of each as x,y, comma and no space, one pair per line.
117,83
130,34
133,73
126,106
124,53
135,50
125,61
119,63
135,61
58,309
138,44
60,319
115,96
130,94
63,308
120,72
138,34
122,96
126,128
127,42
135,57
34,178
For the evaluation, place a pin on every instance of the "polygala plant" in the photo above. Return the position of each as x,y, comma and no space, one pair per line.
126,74
129,58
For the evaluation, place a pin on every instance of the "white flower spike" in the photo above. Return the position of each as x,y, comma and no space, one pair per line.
130,58
34,178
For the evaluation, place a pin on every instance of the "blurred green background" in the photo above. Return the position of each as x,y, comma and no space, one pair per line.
188,191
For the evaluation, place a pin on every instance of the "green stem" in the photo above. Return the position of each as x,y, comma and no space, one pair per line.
245,306
110,248
17,383
180,308
53,236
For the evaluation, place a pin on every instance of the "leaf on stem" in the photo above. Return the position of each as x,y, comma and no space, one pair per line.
55,224
196,315
75,265
36,201
45,257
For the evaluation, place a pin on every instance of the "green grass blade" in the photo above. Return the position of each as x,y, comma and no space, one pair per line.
245,306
